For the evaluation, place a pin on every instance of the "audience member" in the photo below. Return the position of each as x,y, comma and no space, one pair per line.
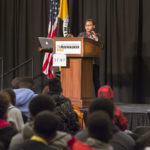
64,109
45,130
119,119
80,115
14,114
143,141
38,104
99,131
141,130
24,94
120,140
6,130
74,144
15,82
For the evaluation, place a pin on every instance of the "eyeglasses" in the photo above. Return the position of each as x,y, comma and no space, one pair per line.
88,25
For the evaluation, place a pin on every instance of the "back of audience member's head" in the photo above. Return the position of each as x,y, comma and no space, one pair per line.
106,92
40,103
4,104
26,82
99,126
15,82
12,96
143,141
54,85
103,104
46,124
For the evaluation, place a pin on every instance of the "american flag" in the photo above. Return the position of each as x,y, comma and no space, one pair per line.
53,21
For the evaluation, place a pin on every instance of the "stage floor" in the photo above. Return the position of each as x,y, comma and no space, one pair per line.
137,114
136,108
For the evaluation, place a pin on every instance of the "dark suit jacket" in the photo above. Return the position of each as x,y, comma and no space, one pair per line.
100,40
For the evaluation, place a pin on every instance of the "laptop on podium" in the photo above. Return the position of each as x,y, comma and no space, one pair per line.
46,43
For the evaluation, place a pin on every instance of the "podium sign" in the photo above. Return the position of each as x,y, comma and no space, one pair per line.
68,47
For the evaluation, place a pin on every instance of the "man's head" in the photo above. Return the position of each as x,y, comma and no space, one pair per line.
89,25
99,126
41,103
12,95
45,125
54,85
102,104
22,82
4,104
15,82
26,82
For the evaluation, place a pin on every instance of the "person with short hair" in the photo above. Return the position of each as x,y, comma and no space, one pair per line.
99,130
24,94
15,82
120,140
64,109
54,85
89,31
38,104
45,130
104,104
143,141
11,94
41,103
6,130
46,124
14,114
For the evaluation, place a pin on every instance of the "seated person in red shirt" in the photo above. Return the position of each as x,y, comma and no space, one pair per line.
119,119
7,130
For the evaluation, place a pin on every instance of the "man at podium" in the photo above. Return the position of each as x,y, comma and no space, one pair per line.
90,33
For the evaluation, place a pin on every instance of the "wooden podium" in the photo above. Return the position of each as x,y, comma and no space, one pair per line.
77,77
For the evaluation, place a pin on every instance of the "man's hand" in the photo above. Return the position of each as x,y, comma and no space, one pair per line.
94,36
69,35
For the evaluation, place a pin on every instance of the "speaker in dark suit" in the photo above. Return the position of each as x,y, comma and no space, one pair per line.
90,33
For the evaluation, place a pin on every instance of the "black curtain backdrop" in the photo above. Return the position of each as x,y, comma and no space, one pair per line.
21,22
124,24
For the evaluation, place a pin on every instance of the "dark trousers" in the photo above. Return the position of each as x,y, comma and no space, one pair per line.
96,78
